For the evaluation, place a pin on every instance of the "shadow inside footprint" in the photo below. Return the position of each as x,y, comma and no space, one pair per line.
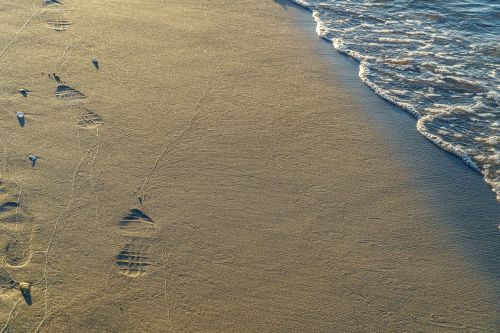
66,92
8,205
51,2
135,215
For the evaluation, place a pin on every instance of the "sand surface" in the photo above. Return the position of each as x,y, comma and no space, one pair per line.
222,170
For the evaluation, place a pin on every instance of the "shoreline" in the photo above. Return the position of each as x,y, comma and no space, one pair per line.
442,144
224,175
467,184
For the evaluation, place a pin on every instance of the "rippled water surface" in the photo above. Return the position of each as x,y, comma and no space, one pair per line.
439,60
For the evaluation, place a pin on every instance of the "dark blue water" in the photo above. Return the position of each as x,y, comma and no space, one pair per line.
439,60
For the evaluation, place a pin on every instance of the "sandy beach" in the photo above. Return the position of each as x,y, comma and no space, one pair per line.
219,168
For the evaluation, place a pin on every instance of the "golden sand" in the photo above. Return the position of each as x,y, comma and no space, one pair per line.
211,175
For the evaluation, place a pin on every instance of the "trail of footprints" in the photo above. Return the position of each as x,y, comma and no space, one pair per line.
15,221
138,229
15,229
140,233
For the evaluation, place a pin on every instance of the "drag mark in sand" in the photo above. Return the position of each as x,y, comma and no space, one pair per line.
170,145
51,240
61,59
4,160
21,30
196,108
88,119
10,314
91,175
59,219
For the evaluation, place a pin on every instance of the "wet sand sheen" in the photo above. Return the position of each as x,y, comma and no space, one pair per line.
222,170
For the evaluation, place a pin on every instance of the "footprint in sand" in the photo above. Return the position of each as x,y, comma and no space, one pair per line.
140,233
134,258
65,92
55,17
88,119
58,25
9,203
13,220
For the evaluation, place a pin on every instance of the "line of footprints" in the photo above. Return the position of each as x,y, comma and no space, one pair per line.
15,231
138,229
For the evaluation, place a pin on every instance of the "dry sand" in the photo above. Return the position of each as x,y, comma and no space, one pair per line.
222,171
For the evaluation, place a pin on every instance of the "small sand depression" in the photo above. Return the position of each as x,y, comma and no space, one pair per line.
18,252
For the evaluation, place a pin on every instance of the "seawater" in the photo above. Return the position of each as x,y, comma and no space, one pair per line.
439,60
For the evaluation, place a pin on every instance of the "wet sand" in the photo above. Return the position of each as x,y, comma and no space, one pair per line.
223,170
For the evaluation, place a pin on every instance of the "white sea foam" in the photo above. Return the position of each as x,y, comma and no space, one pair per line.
438,72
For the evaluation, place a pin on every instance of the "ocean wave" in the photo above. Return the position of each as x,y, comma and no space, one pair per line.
430,60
